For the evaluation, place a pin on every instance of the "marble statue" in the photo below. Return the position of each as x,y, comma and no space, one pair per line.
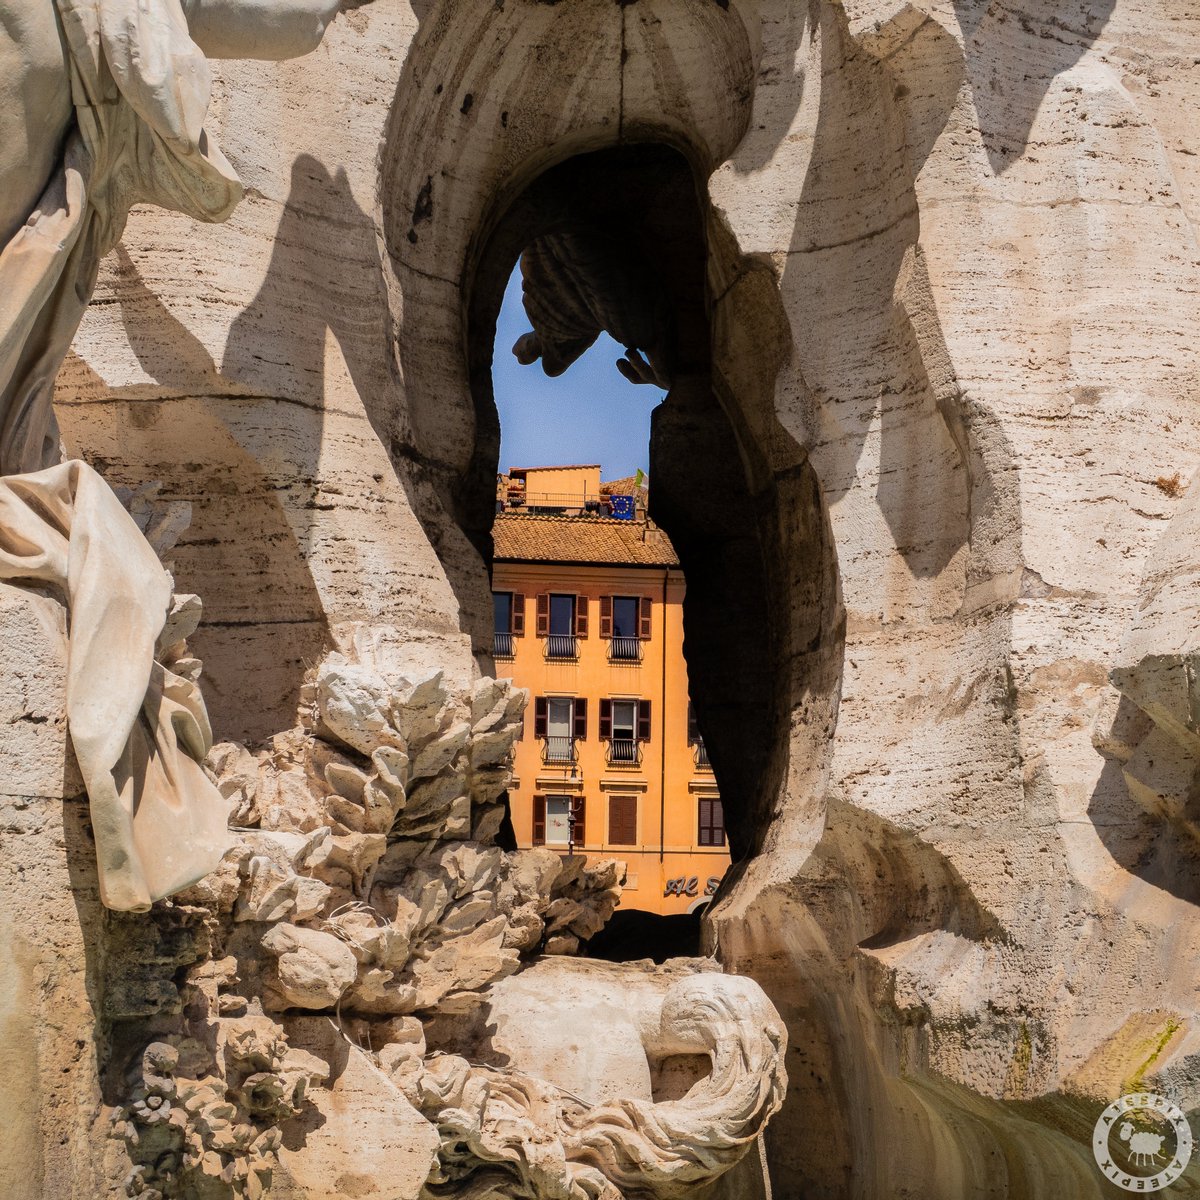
137,720
111,99
578,283
365,899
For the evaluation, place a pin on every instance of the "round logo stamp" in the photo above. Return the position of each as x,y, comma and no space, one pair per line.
1142,1142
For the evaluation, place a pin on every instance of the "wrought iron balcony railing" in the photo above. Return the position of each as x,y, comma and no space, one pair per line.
559,750
624,752
502,645
702,756
625,649
562,646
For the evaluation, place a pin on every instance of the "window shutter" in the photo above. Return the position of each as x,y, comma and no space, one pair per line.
622,820
693,725
580,719
643,726
605,720
539,820
540,717
581,616
644,614
710,824
518,614
543,614
606,616
579,808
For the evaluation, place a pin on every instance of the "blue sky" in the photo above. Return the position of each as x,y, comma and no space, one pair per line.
590,413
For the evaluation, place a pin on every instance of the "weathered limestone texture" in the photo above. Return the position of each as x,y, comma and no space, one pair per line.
930,274
50,917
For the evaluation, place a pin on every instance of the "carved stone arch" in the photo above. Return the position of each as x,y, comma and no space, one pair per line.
490,136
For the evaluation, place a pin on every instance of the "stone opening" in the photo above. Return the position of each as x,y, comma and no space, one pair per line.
627,225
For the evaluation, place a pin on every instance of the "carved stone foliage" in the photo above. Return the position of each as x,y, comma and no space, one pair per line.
364,884
366,842
204,1121
365,888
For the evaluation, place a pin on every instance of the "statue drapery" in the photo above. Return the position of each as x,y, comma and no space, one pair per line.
160,824
140,88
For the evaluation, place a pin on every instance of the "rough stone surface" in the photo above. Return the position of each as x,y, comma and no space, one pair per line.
367,1141
36,757
50,918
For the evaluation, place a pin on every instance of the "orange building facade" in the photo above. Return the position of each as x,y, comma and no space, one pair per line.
589,618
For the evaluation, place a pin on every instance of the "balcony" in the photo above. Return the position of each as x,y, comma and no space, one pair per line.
702,763
625,649
562,647
559,750
502,645
624,752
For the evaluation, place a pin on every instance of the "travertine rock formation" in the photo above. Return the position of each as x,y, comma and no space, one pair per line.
931,271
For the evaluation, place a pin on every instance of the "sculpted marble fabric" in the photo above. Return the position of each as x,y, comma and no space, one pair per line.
139,90
159,823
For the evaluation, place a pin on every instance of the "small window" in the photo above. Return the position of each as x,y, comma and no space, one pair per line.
502,611
711,830
552,820
562,616
623,746
561,721
621,622
560,730
558,828
624,719
559,717
622,820
626,616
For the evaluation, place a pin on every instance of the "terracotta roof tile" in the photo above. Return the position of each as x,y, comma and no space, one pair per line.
538,537
555,467
626,486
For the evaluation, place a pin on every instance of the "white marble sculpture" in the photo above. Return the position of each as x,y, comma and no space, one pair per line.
122,86
111,97
365,905
508,1131
159,822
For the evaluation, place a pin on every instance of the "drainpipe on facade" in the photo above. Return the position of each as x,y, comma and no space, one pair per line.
662,735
